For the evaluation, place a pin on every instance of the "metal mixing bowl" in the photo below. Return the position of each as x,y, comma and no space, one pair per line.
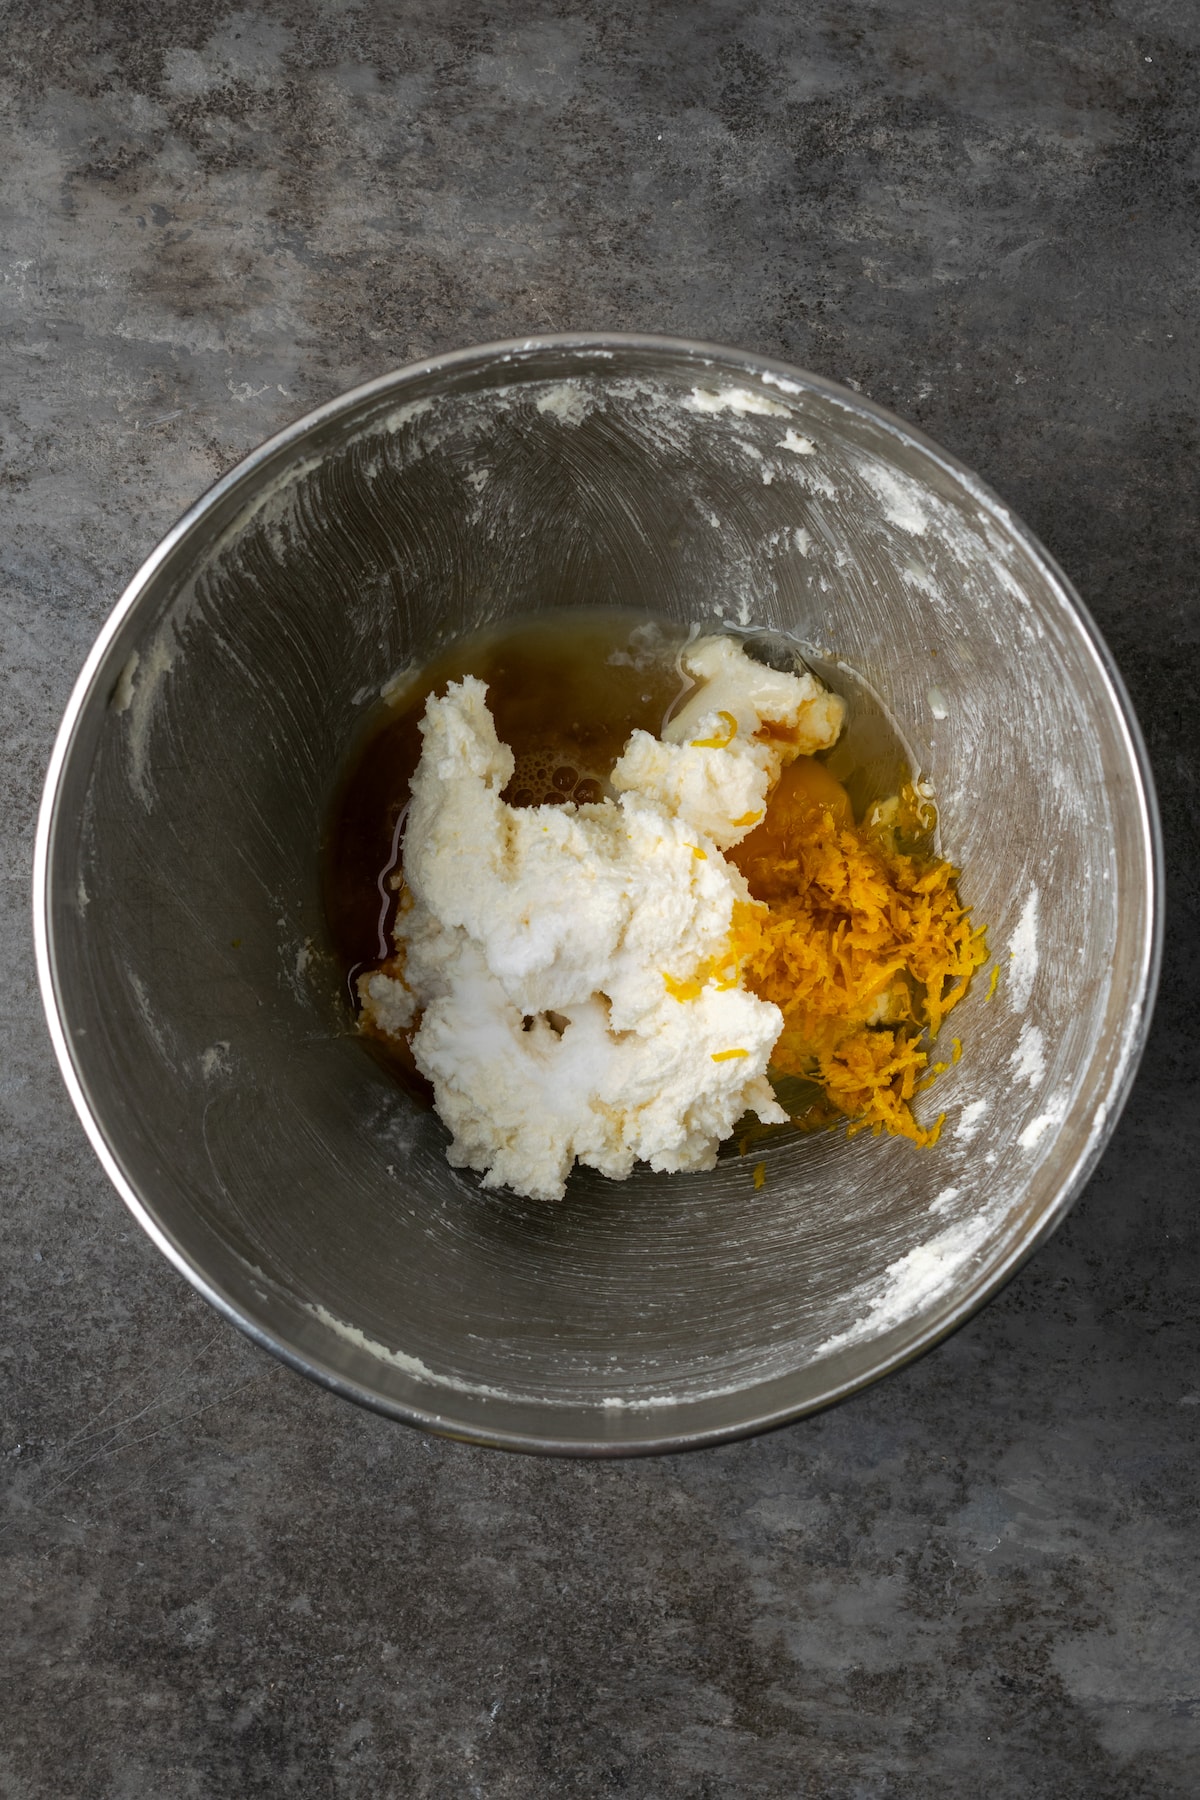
200,1017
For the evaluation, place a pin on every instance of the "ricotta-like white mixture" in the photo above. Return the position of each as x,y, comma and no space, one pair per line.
538,946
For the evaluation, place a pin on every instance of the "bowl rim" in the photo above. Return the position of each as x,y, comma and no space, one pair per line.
732,360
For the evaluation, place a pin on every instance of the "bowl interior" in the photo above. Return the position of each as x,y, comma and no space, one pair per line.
204,1018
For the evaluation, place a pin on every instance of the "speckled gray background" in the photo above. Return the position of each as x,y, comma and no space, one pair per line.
980,1576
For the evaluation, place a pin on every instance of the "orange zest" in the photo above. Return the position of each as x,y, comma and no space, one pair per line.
721,741
864,947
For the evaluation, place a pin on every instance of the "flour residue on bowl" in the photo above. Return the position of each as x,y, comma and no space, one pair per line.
122,696
419,1370
1038,1127
742,402
137,696
969,1120
902,500
1023,955
914,1282
400,1359
1028,1061
215,1061
569,401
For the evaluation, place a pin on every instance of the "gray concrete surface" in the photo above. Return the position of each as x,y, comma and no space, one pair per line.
980,1576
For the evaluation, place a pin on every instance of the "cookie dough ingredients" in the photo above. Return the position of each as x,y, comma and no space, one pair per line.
692,930
565,970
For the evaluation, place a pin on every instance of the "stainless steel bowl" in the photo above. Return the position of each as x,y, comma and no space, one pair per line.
200,1018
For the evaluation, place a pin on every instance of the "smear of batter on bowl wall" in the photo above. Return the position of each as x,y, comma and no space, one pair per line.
695,940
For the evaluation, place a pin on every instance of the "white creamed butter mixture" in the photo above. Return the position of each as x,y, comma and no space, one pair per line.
536,943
